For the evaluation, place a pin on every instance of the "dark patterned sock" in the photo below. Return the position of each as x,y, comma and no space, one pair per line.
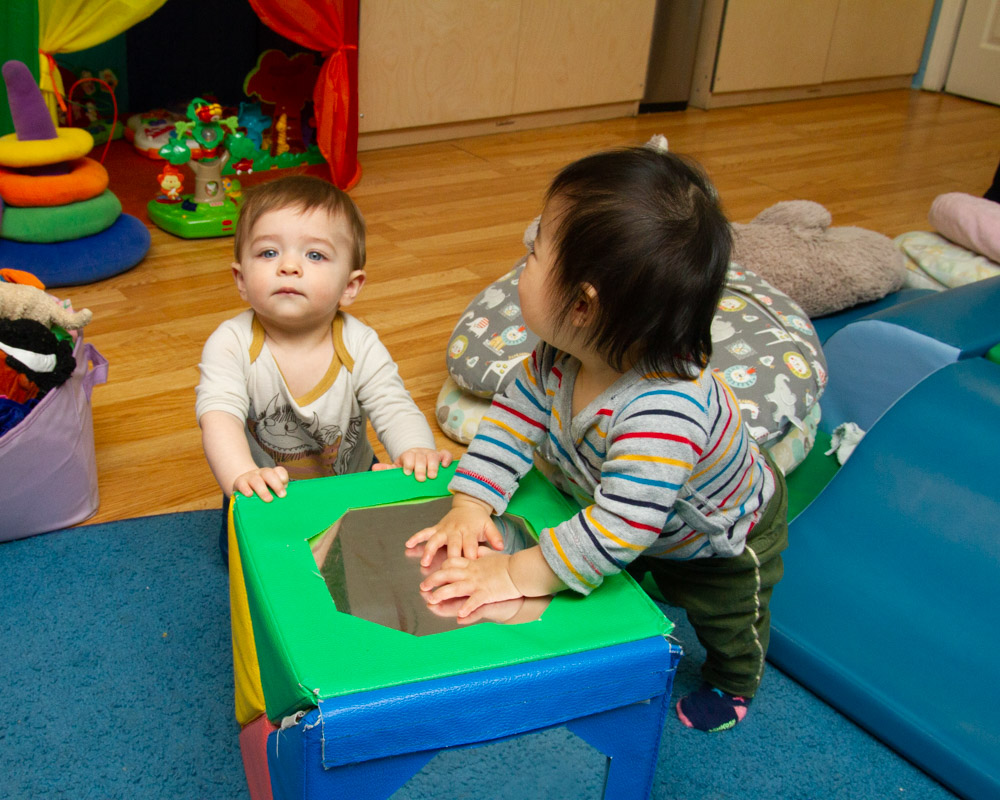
711,709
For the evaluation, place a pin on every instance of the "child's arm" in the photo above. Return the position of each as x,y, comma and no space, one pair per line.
469,523
492,579
228,455
421,462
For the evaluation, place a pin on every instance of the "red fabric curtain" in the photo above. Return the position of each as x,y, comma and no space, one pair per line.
331,27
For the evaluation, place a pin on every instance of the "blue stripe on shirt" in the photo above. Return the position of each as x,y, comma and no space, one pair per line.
531,398
671,392
505,446
637,479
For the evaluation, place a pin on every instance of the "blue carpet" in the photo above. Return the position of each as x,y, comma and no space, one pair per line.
116,682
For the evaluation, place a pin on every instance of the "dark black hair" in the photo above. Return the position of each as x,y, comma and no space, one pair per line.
645,228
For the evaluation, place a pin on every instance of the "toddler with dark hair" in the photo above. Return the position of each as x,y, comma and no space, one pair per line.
619,408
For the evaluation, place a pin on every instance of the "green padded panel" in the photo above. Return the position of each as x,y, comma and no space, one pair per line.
308,651
46,224
807,480
993,354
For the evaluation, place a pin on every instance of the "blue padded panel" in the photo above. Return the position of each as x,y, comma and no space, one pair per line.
369,744
826,326
872,364
877,358
964,317
80,261
481,705
888,607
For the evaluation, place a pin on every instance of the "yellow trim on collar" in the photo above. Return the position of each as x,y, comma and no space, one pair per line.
341,358
257,338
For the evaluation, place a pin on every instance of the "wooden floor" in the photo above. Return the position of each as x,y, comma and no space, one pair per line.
446,219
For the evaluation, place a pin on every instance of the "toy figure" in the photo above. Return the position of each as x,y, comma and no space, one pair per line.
255,122
171,182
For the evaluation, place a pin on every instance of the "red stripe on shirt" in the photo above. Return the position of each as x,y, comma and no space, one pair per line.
519,415
641,526
673,437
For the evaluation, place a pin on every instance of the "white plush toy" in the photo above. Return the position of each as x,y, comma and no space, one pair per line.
20,301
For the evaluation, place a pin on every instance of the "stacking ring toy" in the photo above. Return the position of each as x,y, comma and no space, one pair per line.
43,224
92,258
86,179
69,143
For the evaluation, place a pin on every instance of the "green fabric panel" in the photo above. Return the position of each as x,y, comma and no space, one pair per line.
44,224
18,42
807,480
308,651
993,354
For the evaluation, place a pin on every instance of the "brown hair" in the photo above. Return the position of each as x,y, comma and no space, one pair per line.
304,193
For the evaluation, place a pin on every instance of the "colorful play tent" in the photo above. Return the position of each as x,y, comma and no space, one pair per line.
327,26
331,27
66,26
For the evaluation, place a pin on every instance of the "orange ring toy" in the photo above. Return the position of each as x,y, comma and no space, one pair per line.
87,178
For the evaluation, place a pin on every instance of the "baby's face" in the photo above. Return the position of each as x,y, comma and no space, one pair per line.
296,268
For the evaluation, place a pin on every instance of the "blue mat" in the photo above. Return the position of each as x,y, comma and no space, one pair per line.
889,602
117,683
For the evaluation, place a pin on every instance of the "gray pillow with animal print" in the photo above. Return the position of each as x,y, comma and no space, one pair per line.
490,338
766,350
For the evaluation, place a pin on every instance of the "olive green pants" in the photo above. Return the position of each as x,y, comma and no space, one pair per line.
727,599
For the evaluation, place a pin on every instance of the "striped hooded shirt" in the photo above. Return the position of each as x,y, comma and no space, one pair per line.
660,466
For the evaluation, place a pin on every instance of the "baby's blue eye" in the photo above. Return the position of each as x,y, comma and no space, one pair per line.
313,255
268,253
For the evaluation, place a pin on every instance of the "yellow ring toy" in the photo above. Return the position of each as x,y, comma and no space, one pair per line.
69,143
87,178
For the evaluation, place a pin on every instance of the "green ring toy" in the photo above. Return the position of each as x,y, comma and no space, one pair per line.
44,224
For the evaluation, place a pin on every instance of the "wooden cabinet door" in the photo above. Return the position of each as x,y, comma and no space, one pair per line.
575,53
769,44
877,39
425,62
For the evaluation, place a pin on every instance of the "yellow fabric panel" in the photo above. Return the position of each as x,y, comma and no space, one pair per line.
246,670
66,26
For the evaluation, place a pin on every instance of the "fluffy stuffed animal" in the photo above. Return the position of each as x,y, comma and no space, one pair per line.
792,246
20,301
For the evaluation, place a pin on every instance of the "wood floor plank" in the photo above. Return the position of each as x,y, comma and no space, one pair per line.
445,219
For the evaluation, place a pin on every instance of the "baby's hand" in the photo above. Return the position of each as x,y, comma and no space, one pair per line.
460,530
485,580
259,481
420,462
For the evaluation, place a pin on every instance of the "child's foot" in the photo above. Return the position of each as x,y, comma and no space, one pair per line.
711,709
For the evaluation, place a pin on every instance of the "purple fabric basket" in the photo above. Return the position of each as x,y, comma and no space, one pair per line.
47,460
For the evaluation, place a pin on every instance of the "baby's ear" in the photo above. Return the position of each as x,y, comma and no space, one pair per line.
241,285
355,282
586,306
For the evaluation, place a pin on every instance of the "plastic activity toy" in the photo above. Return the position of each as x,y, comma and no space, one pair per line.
213,207
364,706
285,85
